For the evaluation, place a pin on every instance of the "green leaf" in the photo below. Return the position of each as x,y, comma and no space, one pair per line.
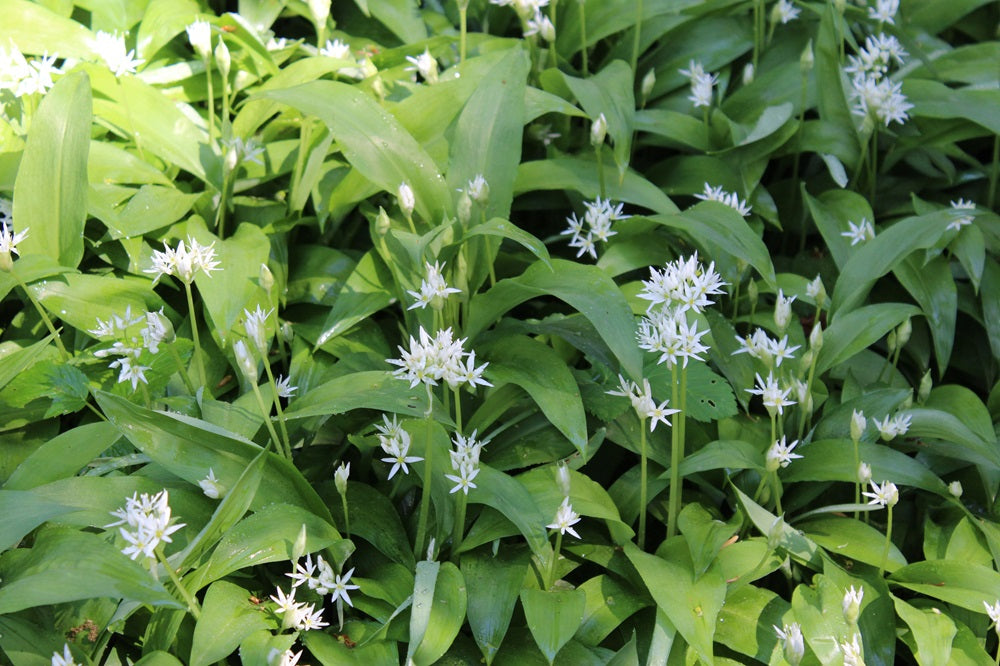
709,397
553,616
438,611
80,300
566,173
692,603
853,539
375,519
493,583
609,604
22,511
372,141
506,229
718,228
858,329
373,389
51,186
964,584
933,99
751,606
948,435
227,618
932,631
35,28
933,288
331,651
539,370
366,291
152,207
17,361
723,454
66,565
63,456
159,658
788,538
189,448
505,494
586,288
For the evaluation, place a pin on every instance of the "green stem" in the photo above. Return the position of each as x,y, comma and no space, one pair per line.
643,489
211,102
776,486
757,10
583,37
459,529
992,192
194,336
277,404
635,43
857,481
347,516
550,578
888,540
267,422
189,599
425,497
181,369
458,410
676,455
44,315
600,170
463,11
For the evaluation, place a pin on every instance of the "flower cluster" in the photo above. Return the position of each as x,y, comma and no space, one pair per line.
702,84
960,214
643,403
764,348
297,614
184,262
860,232
8,239
532,19
425,65
439,357
876,96
465,461
396,443
793,645
884,495
129,347
25,77
434,290
728,198
780,454
320,578
666,331
775,399
884,11
894,426
112,50
683,284
146,523
784,12
594,226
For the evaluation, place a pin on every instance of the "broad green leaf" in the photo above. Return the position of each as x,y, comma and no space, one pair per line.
566,173
818,609
932,99
833,460
438,611
858,329
718,228
35,29
22,511
932,632
374,519
502,228
25,642
488,131
609,605
51,186
366,291
933,288
788,538
691,603
832,212
832,102
361,390
751,606
399,16
705,535
873,259
965,405
852,539
159,658
493,584
935,17
17,361
189,448
553,616
80,300
227,618
948,435
964,584
372,141
152,207
586,288
588,497
331,651
991,303
161,22
723,454
538,369
505,494
709,397
63,456
268,536
67,565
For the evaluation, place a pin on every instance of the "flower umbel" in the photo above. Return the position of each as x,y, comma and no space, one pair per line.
565,519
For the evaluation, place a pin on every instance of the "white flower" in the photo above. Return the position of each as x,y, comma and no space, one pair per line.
961,218
434,290
780,454
398,448
864,473
785,12
340,477
783,310
540,25
112,50
775,400
854,655
25,77
255,324
425,65
304,573
816,291
794,645
895,426
8,243
684,283
285,388
211,486
702,88
287,606
240,150
694,71
858,424
886,495
598,219
150,522
478,189
184,262
340,588
993,611
879,99
407,200
598,130
158,329
874,58
643,403
779,350
860,232
851,605
728,198
129,371
309,619
336,49
287,658
440,357
884,11
565,519
64,659
463,481
200,35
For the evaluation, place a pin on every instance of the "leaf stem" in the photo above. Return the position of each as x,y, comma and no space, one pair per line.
583,37
194,335
44,315
192,603
459,528
425,497
643,489
277,404
267,422
888,541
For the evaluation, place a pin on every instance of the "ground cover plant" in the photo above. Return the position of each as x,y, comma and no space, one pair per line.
520,332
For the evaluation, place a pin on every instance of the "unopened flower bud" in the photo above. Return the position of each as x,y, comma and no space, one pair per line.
648,82
286,331
200,35
807,59
816,337
748,74
340,477
464,208
840,6
808,358
864,473
248,364
890,341
926,382
368,68
955,488
783,311
598,130
562,476
858,425
795,647
407,200
752,293
776,534
378,87
266,278
479,189
319,10
903,333
817,291
223,59
299,547
851,604
546,30
382,222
